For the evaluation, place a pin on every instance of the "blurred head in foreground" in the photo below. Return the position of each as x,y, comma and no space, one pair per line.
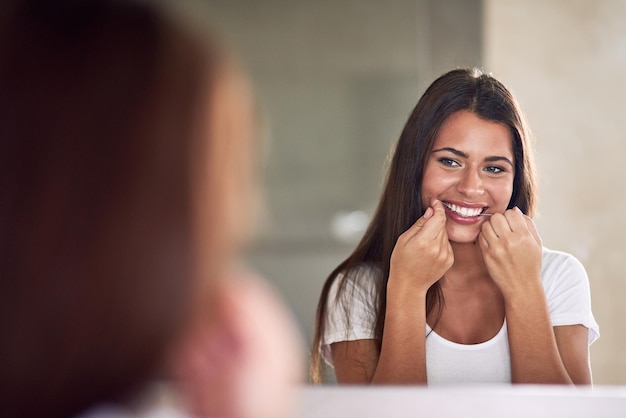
126,159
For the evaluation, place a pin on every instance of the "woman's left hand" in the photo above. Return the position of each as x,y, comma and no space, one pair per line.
511,249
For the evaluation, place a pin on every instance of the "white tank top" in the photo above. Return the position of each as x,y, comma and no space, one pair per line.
449,363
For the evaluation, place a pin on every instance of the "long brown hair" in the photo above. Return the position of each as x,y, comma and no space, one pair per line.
400,204
100,105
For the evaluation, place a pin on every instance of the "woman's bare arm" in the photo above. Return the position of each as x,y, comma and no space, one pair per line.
540,353
535,356
573,343
402,357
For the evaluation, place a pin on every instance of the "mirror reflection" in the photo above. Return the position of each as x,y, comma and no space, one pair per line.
337,83
457,296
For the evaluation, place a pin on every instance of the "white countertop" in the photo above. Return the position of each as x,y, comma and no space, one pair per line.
467,402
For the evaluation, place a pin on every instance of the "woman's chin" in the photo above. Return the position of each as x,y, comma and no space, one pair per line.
463,237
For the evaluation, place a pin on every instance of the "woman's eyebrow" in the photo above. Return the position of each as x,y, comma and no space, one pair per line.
491,159
496,158
452,150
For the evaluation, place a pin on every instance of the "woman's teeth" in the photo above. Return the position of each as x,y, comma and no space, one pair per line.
463,211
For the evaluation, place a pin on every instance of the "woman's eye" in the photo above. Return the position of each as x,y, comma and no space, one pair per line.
494,169
448,162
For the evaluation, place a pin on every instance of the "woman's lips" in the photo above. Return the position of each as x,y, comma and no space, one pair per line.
464,211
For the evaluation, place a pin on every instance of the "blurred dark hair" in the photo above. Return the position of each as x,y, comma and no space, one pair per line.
99,108
462,89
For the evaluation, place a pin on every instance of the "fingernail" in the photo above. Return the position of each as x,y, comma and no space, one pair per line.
428,213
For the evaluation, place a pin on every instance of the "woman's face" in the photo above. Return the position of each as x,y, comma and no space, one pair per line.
470,170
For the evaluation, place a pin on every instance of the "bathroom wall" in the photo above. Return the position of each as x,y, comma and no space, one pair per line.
566,62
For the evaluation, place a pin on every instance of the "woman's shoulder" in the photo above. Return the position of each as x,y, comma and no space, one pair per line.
555,258
365,272
366,268
560,265
567,289
363,278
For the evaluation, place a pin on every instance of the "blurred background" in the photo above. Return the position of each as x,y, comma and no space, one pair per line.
336,80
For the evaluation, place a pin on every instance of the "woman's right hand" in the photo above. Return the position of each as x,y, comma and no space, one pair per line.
423,253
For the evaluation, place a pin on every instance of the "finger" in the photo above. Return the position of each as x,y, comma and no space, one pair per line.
438,227
515,219
533,229
488,233
438,206
419,224
442,239
499,224
429,224
435,228
482,241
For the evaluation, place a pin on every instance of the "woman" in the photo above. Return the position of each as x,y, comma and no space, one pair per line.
125,180
450,283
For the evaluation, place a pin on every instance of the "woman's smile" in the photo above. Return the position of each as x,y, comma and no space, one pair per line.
471,171
465,211
464,215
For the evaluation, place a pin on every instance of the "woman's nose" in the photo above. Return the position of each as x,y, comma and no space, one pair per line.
470,183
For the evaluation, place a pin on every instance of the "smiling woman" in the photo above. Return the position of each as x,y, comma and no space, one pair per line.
470,171
437,293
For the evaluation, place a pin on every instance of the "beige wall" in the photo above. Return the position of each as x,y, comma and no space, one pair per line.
566,62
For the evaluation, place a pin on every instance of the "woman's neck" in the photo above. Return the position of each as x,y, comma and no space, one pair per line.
469,264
